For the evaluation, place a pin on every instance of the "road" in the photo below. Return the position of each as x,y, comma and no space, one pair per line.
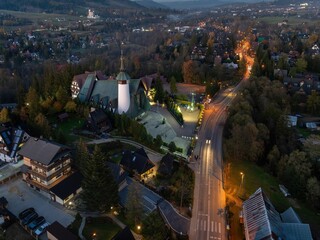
208,219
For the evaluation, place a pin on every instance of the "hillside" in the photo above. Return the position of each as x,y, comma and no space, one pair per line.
65,6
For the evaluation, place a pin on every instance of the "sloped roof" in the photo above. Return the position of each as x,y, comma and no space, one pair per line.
68,186
86,90
124,234
136,161
43,151
60,232
116,172
296,231
290,216
262,221
12,138
260,217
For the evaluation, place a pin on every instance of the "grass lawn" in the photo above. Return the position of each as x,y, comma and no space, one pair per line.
255,177
68,126
103,227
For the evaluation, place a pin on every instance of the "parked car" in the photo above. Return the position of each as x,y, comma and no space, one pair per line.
29,218
25,213
38,231
35,223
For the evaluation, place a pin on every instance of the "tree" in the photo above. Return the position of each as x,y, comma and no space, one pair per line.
294,170
273,159
43,125
173,85
134,203
100,191
71,106
301,65
62,96
4,115
188,70
153,227
172,147
82,155
32,102
159,95
313,102
313,191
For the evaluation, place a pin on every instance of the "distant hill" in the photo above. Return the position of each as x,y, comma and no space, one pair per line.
200,4
64,6
149,4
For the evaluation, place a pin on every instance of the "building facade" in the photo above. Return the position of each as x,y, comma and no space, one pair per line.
45,164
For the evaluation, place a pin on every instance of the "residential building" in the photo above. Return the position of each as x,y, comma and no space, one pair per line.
98,121
262,221
11,140
46,164
137,163
58,232
124,234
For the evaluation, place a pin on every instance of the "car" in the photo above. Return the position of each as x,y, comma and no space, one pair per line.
38,231
29,218
25,213
35,223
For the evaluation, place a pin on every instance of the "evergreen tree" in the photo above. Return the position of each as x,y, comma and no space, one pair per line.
173,85
159,95
134,203
100,191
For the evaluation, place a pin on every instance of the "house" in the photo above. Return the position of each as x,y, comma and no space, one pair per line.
124,234
292,121
98,121
56,231
166,165
263,221
11,139
46,164
304,84
118,174
137,163
67,188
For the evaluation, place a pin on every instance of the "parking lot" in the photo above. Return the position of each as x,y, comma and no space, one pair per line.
20,197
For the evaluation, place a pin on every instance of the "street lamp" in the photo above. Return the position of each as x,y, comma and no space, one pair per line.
241,183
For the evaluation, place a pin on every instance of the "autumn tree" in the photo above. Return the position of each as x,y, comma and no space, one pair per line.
32,103
100,191
188,69
43,125
4,115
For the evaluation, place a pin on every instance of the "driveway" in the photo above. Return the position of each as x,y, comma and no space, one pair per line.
20,197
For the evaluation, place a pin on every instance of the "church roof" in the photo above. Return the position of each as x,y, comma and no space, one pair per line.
123,76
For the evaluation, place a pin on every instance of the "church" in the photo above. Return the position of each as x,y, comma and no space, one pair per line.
121,95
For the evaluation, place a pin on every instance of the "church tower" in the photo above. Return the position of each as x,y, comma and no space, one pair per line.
123,88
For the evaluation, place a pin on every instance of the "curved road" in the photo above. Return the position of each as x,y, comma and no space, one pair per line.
208,219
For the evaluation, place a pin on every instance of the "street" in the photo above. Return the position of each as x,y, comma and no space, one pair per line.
208,216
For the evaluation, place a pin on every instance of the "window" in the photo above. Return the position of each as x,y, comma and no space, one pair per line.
57,168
